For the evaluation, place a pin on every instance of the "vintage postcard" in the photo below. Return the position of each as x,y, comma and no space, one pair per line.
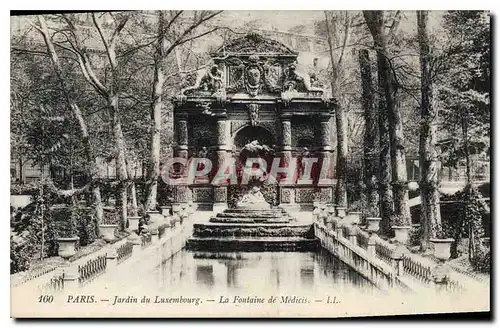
277,164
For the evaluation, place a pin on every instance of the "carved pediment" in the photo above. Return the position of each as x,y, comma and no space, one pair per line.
253,65
254,75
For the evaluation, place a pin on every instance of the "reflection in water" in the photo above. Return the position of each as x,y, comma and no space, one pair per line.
268,272
205,275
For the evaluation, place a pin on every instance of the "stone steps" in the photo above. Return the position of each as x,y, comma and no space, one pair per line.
250,215
254,220
252,230
254,244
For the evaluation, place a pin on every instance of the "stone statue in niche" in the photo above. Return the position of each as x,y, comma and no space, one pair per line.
203,153
303,155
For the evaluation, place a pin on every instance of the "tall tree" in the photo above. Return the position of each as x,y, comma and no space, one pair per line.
74,43
75,110
338,30
375,21
171,34
428,150
465,95
465,88
370,146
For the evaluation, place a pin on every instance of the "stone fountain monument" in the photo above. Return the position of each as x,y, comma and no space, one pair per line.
253,224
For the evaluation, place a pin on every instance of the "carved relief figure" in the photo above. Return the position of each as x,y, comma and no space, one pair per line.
272,76
211,82
253,112
296,83
293,82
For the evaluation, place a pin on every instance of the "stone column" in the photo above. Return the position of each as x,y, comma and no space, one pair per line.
181,192
286,157
325,160
220,191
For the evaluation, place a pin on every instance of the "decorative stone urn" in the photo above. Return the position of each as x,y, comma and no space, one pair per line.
133,222
401,233
341,211
165,210
373,224
355,217
108,231
154,217
442,248
176,207
67,246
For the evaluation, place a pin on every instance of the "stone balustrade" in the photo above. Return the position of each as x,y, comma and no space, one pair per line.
383,263
114,259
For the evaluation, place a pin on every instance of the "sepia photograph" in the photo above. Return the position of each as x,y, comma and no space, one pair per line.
250,164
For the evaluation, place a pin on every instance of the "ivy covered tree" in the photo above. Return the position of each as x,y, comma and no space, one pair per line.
464,92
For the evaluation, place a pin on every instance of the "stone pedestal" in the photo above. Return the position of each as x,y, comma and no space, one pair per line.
133,222
165,210
220,198
372,243
111,259
71,276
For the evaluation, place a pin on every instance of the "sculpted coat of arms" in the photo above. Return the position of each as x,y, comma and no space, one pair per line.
253,76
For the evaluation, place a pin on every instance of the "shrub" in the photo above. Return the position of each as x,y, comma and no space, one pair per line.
415,235
27,236
21,255
481,261
465,209
86,223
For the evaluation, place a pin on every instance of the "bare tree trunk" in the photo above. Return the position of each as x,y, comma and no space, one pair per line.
133,191
370,149
384,177
375,22
468,188
121,165
21,168
428,155
92,161
340,172
465,135
340,119
156,107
